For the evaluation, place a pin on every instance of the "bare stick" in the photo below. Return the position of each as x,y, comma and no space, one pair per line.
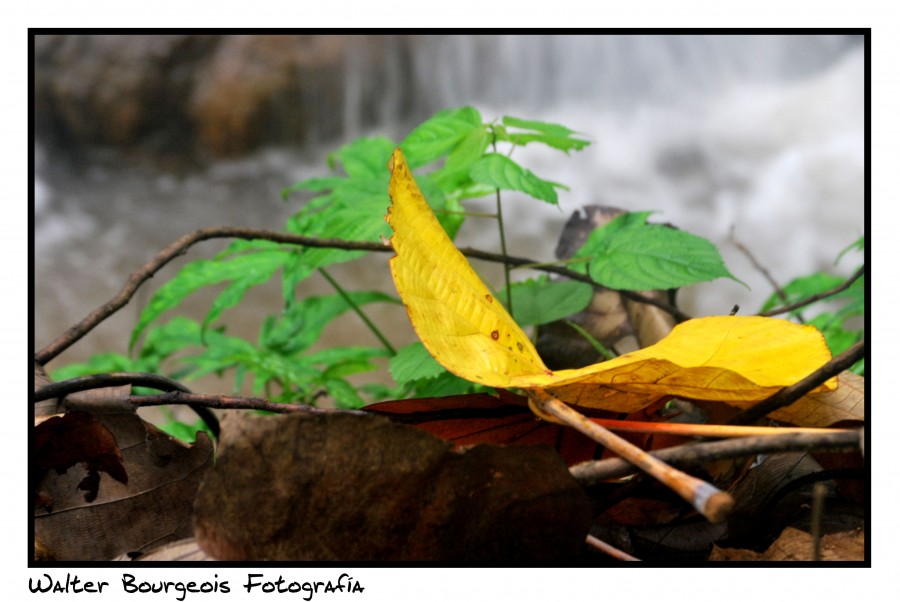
704,430
759,267
589,473
114,379
177,248
813,298
228,402
789,395
610,550
708,500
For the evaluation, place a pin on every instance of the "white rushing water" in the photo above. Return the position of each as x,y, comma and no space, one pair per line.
761,134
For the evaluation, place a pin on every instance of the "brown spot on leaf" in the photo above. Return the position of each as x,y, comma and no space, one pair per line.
495,335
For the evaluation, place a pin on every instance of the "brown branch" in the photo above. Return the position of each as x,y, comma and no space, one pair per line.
760,268
589,473
180,246
115,379
819,296
111,379
229,402
789,395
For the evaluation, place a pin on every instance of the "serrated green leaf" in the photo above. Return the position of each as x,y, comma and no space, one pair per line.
301,324
438,135
260,268
366,157
202,273
539,301
802,288
502,172
553,129
413,362
455,171
344,395
443,385
649,257
858,245
559,143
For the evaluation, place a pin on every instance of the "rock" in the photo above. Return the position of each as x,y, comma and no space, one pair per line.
201,95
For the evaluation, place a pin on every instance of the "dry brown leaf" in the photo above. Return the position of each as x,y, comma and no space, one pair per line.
154,507
847,402
343,487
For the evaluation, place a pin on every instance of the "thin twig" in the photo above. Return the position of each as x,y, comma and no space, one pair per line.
817,297
359,312
115,379
610,550
789,395
590,473
760,268
708,500
229,402
180,246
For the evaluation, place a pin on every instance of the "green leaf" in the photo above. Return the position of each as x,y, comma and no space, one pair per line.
551,134
502,172
539,301
345,396
243,270
553,129
858,245
366,157
301,324
413,362
802,288
438,135
628,256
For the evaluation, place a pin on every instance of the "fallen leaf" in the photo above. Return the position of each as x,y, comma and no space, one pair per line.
154,506
823,409
76,437
739,360
341,487
480,418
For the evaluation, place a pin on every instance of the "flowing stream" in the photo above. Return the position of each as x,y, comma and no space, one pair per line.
759,135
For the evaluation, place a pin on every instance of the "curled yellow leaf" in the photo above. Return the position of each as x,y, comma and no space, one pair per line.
737,360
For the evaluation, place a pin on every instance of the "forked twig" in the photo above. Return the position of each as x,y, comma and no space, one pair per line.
707,499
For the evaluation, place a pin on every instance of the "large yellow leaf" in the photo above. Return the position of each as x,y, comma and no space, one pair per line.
738,360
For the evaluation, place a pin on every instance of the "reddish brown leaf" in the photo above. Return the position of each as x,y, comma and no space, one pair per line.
480,418
61,442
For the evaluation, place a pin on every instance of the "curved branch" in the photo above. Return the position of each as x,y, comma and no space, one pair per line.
817,297
230,402
114,379
180,246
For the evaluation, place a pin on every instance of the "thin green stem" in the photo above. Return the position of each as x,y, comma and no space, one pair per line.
506,267
359,312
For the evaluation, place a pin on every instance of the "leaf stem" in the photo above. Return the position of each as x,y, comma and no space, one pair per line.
506,267
359,312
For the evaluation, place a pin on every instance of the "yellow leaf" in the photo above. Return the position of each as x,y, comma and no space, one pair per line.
847,402
738,360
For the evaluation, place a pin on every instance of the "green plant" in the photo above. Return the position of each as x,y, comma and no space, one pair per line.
839,316
457,157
